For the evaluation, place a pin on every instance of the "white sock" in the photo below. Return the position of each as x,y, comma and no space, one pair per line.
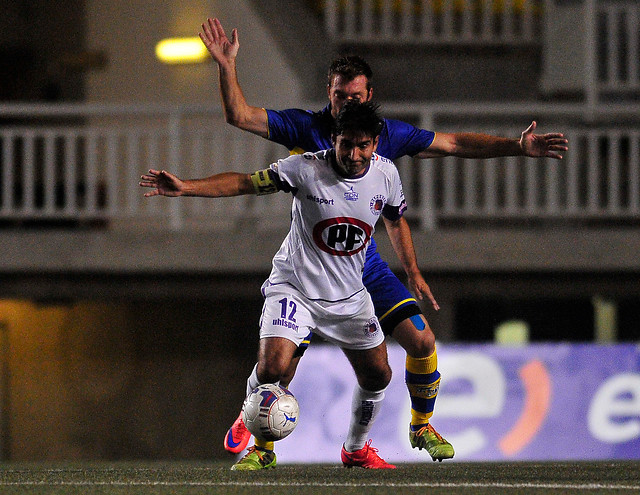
252,381
365,406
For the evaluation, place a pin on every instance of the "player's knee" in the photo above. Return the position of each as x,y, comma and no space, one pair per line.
270,371
375,378
416,337
425,345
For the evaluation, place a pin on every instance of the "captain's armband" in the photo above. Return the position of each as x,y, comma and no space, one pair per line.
263,182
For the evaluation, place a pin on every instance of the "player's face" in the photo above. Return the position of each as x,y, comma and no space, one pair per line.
342,91
353,152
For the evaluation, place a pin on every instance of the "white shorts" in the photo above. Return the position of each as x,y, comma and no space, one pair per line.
349,324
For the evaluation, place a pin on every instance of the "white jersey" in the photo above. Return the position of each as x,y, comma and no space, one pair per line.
333,219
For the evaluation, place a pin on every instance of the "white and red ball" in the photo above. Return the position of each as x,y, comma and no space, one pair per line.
270,412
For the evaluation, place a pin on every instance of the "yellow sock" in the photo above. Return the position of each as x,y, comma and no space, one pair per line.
264,445
423,381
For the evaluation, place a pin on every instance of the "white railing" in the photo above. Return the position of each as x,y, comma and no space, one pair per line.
617,29
89,169
606,33
457,22
598,179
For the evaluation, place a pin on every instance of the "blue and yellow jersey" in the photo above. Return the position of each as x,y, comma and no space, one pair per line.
303,130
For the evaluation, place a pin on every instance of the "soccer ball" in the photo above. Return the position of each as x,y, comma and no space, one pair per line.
270,412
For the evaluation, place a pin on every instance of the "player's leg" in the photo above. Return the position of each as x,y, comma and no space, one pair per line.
423,381
373,373
285,379
237,437
279,339
401,317
352,325
274,356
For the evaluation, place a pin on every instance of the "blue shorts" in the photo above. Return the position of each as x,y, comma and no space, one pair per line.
392,301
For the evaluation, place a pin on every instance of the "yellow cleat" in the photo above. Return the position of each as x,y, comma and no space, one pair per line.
256,459
428,438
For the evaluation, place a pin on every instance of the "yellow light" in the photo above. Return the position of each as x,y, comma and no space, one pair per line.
181,51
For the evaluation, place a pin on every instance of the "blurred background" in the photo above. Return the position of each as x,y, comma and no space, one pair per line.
128,326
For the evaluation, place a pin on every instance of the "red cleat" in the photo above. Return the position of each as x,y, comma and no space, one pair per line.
237,438
366,457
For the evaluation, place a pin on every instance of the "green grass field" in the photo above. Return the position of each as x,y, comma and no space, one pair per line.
187,478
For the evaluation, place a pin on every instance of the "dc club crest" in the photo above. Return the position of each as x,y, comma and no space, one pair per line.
377,203
372,327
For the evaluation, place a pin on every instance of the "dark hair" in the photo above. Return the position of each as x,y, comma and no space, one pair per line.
349,67
359,118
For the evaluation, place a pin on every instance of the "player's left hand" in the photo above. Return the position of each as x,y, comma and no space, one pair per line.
421,289
542,145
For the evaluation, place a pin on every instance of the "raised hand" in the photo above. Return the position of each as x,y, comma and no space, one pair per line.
163,182
214,38
542,145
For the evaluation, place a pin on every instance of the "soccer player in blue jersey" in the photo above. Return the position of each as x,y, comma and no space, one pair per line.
349,78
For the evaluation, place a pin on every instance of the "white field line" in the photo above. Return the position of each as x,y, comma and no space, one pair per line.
559,486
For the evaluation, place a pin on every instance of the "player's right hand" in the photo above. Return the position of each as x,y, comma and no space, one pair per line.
163,182
214,38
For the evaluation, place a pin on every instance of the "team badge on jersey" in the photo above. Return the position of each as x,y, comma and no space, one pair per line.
377,203
372,327
342,236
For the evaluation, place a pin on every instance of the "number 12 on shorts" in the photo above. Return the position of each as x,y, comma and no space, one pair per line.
286,304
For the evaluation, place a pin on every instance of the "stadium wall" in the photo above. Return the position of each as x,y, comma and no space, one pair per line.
122,380
127,37
496,403
81,381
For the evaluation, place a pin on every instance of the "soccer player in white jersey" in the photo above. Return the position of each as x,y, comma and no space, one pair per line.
316,278
350,78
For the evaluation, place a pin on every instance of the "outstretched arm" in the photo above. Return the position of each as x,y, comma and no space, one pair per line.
236,109
400,236
474,145
216,186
